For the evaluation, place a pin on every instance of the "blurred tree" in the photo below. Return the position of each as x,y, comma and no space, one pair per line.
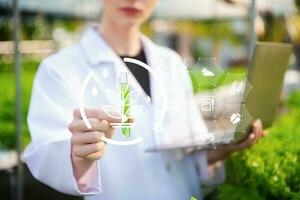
275,28
5,30
293,29
36,27
211,30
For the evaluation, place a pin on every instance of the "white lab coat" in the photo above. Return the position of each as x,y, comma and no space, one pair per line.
124,172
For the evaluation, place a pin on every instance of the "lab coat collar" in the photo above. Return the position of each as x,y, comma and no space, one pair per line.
96,50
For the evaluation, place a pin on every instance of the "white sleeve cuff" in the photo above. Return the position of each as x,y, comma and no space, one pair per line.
91,182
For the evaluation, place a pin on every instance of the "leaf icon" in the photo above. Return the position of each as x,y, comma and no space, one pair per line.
133,95
135,110
112,111
113,97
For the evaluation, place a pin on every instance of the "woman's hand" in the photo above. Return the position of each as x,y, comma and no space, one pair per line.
224,151
256,133
87,145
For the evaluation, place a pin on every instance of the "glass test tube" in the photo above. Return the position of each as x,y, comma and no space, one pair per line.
125,104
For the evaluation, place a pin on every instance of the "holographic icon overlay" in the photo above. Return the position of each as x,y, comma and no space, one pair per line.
180,130
206,74
221,101
86,81
116,103
235,118
219,106
207,103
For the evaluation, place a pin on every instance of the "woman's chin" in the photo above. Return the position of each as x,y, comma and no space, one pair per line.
130,23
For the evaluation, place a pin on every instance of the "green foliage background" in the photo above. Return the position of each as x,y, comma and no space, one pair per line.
7,99
271,169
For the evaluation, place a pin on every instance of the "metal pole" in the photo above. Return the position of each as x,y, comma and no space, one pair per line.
252,16
16,13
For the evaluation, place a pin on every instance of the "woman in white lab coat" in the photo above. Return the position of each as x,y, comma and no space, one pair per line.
74,159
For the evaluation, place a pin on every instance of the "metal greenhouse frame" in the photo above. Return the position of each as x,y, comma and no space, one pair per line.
16,33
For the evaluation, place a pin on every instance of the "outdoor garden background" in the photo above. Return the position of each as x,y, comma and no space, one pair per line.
270,170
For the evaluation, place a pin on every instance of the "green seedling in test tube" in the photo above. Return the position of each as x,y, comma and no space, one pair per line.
125,103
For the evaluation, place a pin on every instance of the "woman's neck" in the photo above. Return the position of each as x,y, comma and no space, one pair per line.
124,40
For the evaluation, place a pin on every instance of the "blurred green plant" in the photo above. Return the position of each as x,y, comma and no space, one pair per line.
5,30
38,27
270,170
215,32
7,100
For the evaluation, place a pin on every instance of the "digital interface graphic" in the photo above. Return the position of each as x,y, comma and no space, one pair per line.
122,103
219,97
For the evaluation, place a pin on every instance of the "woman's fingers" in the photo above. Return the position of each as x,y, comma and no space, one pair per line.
87,137
254,136
246,143
78,125
95,156
249,141
257,129
83,151
97,113
87,143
